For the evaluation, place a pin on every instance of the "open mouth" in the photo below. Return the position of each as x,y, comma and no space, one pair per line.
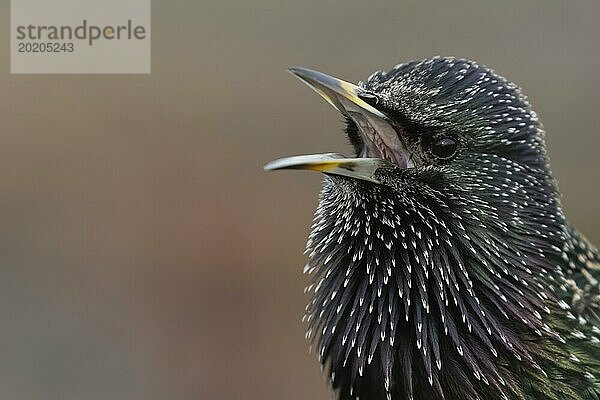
380,140
381,144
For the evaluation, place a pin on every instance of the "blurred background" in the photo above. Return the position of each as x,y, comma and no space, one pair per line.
143,252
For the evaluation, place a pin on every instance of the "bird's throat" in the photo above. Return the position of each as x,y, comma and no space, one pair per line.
401,302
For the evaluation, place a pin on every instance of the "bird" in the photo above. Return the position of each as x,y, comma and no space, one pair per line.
441,263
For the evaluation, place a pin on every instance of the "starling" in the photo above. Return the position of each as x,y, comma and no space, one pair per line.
442,265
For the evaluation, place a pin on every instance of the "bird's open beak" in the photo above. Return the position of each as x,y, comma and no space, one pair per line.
379,137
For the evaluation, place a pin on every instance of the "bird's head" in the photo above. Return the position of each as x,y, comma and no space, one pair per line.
434,232
433,117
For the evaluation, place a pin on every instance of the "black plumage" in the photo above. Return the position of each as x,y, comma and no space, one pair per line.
442,264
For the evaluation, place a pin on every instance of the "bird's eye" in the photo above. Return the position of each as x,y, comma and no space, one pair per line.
444,148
